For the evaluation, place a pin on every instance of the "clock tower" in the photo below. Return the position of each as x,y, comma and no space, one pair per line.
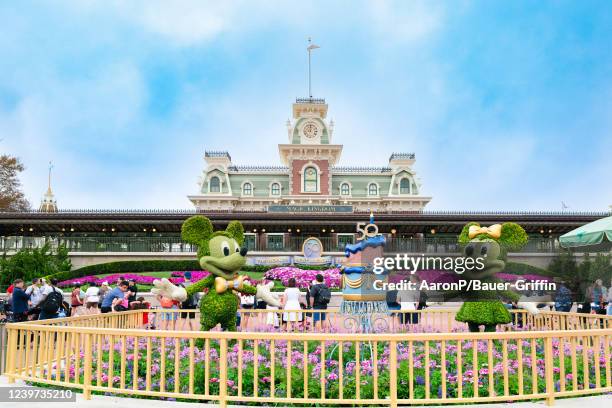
309,153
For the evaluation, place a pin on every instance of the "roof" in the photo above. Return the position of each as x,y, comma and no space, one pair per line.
171,220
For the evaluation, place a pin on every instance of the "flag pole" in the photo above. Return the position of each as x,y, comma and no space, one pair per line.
311,47
309,70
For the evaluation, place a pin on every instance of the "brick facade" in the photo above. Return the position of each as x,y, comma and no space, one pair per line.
296,176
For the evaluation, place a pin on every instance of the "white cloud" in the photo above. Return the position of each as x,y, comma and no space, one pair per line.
195,22
405,22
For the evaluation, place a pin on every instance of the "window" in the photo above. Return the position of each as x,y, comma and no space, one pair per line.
247,189
249,242
344,239
276,189
311,180
345,189
372,189
215,185
275,242
405,186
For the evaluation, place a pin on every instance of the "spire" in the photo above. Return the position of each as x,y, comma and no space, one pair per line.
49,181
48,203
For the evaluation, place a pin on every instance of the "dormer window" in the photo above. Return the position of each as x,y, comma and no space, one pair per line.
373,189
405,186
345,189
215,185
247,189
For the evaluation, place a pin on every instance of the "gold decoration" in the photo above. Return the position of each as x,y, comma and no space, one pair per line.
494,231
353,283
222,284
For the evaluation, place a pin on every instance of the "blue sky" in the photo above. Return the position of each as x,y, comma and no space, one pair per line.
507,105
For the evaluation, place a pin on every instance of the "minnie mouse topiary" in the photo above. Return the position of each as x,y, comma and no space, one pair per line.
484,307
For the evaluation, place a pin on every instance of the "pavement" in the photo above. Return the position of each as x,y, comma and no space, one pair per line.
100,401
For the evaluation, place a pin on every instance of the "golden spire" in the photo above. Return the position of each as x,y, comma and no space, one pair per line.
49,181
48,203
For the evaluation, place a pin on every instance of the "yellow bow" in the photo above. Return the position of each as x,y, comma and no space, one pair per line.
222,284
494,231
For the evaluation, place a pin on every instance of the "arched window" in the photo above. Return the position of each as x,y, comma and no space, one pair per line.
247,189
276,189
405,186
372,189
345,189
311,180
215,185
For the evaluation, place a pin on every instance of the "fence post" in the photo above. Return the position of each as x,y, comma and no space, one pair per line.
11,354
393,373
87,368
223,372
549,371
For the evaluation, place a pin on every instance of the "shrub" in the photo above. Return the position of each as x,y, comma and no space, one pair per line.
33,263
518,268
128,266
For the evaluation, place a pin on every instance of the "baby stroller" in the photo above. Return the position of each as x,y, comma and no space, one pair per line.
5,311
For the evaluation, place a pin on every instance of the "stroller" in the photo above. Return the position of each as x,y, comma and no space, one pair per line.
6,313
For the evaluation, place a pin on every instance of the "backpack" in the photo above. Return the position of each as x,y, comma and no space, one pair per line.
189,303
323,294
52,303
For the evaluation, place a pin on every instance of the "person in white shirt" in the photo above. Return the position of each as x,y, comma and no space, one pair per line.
409,301
291,301
36,296
46,290
92,298
247,302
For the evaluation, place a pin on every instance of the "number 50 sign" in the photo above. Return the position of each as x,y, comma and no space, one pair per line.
366,230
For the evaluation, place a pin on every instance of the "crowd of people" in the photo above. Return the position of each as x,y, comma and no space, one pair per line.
595,298
296,312
45,300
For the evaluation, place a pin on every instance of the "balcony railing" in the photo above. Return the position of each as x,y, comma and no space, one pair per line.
174,244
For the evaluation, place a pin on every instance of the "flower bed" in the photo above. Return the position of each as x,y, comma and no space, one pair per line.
282,274
304,277
139,278
419,368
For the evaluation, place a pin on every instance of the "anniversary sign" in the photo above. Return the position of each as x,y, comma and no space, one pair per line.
311,208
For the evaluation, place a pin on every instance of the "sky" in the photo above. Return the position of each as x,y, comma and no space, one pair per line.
507,105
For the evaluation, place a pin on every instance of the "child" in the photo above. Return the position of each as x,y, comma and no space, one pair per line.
168,319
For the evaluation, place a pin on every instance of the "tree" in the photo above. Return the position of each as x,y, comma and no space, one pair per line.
33,263
601,268
11,196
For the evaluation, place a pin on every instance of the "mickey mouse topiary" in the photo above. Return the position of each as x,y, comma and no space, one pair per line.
221,254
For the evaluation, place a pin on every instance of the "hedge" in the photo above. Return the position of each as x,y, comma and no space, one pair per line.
126,267
153,266
518,268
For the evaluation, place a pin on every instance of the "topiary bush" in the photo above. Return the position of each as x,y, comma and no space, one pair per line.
128,266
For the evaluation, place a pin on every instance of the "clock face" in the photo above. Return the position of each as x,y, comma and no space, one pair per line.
310,130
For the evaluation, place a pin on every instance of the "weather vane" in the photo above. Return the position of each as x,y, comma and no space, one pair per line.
310,47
